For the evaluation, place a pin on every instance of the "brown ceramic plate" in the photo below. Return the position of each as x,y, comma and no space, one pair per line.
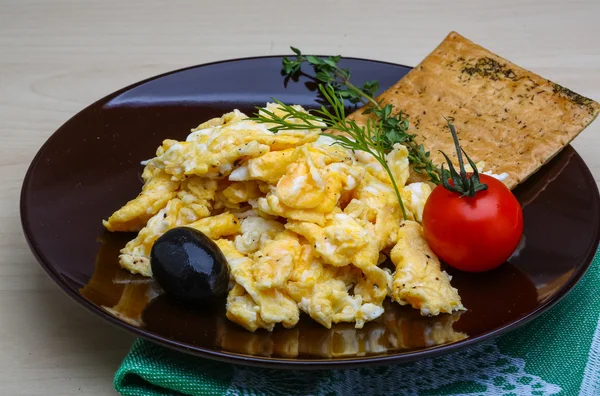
91,166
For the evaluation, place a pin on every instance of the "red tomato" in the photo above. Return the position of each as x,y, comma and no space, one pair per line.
477,233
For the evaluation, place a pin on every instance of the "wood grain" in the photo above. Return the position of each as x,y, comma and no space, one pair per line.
56,57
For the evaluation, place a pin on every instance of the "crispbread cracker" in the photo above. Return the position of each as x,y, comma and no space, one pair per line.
512,119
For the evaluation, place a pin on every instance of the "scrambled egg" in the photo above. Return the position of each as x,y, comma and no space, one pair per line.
418,280
256,306
214,148
303,223
157,191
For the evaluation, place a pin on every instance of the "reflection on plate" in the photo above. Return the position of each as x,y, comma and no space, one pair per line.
140,302
399,329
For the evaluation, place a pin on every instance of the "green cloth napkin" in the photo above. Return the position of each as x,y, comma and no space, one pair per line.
558,353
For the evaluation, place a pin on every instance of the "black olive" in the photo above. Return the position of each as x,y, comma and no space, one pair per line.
189,266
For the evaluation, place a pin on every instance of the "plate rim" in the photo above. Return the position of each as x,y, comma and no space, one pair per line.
279,362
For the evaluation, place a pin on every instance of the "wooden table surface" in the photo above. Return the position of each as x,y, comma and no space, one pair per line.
58,56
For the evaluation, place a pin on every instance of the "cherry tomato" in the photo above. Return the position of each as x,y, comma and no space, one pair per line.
477,233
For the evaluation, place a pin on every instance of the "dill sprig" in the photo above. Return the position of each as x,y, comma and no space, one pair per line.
367,138
393,127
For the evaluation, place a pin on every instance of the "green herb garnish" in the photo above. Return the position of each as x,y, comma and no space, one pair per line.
380,134
394,127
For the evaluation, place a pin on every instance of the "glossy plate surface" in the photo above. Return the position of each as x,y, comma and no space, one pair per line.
91,166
